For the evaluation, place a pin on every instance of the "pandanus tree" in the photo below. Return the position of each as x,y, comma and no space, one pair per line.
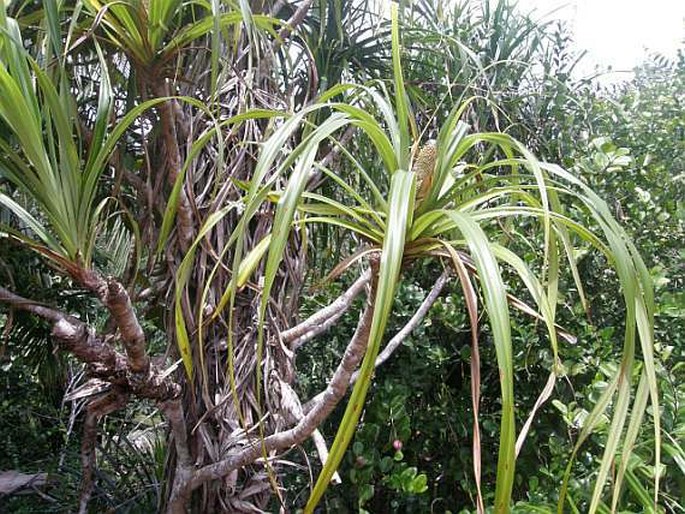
220,187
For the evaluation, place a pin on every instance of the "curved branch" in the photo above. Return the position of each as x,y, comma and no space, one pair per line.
295,20
418,316
323,319
24,304
105,362
113,295
334,392
72,334
96,410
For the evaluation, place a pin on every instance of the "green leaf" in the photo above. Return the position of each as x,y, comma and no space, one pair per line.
401,203
494,294
404,115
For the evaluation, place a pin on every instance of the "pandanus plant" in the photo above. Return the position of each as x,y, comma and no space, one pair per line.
453,199
57,148
449,200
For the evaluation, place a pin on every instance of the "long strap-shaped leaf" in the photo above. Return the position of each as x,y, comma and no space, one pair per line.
639,298
495,298
471,300
404,116
401,205
283,218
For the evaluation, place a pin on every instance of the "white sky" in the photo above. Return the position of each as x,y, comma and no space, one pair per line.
617,33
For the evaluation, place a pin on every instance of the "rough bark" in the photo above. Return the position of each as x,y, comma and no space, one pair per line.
172,154
117,301
95,411
324,318
94,350
304,428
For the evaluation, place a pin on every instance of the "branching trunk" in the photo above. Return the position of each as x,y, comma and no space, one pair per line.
115,298
95,411
212,417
